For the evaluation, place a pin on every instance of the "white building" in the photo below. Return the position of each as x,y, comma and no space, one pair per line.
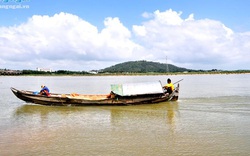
44,69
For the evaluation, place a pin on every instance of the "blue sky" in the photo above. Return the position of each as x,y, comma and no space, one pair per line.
197,34
234,14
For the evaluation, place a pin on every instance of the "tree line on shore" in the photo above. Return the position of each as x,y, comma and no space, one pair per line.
132,67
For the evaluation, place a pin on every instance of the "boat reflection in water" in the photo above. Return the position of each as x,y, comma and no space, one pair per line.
162,114
94,129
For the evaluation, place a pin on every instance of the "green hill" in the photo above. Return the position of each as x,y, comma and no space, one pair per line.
142,67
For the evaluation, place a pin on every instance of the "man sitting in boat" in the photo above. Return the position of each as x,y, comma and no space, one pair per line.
44,90
169,87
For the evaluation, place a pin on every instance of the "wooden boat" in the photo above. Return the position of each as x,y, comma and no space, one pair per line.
125,94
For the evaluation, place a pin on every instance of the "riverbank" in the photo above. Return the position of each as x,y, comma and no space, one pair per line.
129,74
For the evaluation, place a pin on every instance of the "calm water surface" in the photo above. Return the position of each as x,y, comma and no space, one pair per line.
212,117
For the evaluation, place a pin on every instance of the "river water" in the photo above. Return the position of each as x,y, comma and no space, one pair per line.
212,117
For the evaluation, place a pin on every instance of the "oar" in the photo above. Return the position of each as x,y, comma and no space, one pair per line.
178,81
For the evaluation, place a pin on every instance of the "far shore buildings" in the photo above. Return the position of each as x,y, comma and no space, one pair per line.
44,69
10,72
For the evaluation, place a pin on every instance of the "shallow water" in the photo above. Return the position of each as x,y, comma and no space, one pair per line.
212,117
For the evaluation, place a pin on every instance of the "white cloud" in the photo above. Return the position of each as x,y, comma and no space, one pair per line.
65,41
200,44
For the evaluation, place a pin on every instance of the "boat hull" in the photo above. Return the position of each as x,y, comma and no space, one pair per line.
93,100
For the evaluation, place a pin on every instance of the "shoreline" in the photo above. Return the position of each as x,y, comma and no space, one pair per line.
135,74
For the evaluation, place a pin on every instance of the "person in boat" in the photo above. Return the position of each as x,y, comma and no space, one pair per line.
169,87
111,95
44,90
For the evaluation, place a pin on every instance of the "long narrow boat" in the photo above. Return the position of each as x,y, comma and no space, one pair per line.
121,94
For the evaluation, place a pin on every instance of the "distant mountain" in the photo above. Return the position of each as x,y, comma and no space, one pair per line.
143,67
